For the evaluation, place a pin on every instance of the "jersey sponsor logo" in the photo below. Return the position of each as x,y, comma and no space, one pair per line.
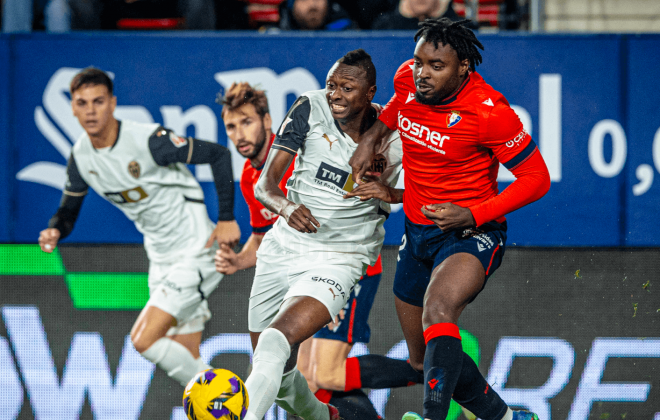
517,140
453,118
421,134
178,141
333,293
133,169
411,96
129,196
94,173
334,178
171,285
338,287
488,102
325,136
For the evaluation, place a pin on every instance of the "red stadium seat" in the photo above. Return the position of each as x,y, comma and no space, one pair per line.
488,14
263,11
151,24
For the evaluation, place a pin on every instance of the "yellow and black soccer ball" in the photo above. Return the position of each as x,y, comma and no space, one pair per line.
215,394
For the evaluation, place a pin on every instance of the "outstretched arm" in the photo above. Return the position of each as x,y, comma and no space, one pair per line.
62,223
532,182
228,262
166,148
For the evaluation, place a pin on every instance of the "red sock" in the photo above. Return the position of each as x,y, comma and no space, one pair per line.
323,395
353,377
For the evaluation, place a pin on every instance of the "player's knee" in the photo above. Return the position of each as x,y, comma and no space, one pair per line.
417,365
437,311
141,345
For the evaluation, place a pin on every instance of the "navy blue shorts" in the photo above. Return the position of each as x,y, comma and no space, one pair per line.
354,328
424,247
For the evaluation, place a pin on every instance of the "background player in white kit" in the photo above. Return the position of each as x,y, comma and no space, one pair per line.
140,168
309,263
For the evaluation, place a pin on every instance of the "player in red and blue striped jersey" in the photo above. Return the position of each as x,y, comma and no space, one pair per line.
455,130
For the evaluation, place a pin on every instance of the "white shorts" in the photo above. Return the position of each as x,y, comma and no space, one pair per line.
181,289
328,277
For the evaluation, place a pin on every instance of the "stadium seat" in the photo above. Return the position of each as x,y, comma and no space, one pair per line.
262,12
488,14
150,24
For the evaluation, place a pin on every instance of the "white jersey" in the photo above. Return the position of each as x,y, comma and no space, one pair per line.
166,203
322,176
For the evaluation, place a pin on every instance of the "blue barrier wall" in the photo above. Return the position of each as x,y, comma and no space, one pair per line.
585,99
6,175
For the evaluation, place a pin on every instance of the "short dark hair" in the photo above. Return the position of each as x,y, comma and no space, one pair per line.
461,39
360,58
91,76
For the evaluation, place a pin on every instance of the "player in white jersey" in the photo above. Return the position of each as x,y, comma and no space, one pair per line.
141,169
310,261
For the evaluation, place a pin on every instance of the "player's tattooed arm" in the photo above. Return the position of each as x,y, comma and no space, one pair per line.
268,192
62,222
364,154
167,148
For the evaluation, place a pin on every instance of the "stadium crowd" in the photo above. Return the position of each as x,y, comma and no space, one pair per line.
263,15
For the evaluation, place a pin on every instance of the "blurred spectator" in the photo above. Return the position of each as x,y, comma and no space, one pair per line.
25,15
411,12
315,15
365,12
510,12
104,14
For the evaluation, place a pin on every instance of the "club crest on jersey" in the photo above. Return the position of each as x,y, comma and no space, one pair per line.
453,118
134,169
178,141
378,164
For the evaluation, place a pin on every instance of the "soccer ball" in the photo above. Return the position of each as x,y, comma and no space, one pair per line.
215,394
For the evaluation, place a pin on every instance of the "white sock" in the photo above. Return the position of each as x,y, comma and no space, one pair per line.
296,398
175,359
263,384
508,415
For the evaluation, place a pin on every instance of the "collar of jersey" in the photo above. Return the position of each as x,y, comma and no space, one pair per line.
372,111
454,96
109,149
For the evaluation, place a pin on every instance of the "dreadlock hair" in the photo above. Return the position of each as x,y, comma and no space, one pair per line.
360,58
460,38
240,94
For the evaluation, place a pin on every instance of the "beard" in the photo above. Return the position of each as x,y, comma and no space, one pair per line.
258,146
435,99
449,88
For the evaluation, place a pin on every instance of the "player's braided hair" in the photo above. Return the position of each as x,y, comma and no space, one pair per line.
240,94
360,58
461,39
90,76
